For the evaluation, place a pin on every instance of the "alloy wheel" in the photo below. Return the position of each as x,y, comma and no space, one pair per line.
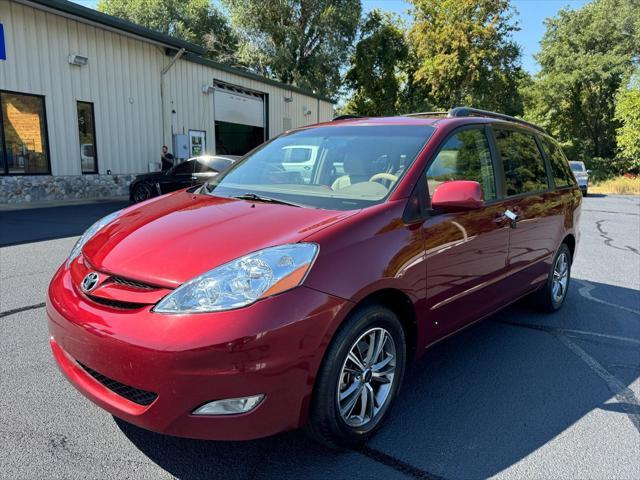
560,278
367,377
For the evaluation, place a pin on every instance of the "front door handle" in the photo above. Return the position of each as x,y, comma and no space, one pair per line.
507,216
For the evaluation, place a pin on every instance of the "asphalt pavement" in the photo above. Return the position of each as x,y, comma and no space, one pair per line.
519,395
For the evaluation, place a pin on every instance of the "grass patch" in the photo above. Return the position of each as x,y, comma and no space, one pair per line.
625,185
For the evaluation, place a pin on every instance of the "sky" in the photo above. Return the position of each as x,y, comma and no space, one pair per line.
531,15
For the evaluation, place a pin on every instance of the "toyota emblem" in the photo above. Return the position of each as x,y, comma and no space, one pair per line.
90,282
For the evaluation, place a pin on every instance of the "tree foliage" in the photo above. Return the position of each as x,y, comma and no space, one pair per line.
303,42
463,54
585,56
628,116
375,64
195,21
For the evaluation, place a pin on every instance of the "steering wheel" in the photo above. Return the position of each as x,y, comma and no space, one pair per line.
384,176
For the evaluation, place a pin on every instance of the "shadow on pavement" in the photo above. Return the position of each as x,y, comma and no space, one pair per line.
50,223
471,407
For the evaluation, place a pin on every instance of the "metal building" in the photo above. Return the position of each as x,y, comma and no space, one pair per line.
88,100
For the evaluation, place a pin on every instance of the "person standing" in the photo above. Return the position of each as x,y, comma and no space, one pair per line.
166,158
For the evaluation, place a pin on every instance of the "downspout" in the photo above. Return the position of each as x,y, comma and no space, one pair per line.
163,72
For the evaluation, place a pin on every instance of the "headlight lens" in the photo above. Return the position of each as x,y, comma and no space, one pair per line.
243,281
91,231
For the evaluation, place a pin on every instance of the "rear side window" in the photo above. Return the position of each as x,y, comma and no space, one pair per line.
524,168
465,156
562,175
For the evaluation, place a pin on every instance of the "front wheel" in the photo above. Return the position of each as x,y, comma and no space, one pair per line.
142,192
359,378
551,297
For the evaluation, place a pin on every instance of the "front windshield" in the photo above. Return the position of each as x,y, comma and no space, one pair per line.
577,166
337,168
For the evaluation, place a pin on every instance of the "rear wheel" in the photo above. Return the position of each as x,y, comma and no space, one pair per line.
142,192
551,297
359,378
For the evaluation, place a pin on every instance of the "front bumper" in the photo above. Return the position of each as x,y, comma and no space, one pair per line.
273,347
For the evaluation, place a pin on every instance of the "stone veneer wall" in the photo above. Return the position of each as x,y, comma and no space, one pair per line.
40,188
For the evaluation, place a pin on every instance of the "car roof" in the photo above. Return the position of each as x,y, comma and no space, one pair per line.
453,118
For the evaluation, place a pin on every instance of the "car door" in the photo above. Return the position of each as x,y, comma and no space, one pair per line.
466,252
539,209
180,176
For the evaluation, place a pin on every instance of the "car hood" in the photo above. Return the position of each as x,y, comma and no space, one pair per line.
169,240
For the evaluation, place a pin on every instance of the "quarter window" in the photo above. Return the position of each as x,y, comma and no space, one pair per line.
87,135
23,137
524,168
562,175
465,156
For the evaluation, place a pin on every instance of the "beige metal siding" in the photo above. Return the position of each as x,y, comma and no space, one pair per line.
122,80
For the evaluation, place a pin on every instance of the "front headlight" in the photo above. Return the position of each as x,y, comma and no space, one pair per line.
243,281
91,231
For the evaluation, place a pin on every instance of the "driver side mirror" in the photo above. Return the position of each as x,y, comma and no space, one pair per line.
457,196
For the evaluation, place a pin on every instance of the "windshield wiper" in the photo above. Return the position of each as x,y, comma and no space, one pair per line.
254,197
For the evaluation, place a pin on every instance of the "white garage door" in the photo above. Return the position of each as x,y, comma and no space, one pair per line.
239,108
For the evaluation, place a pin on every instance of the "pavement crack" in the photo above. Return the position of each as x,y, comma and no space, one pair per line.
608,241
397,464
6,313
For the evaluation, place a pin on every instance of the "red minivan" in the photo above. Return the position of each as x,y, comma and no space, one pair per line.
294,289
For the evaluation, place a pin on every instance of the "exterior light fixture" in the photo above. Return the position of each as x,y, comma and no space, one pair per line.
78,60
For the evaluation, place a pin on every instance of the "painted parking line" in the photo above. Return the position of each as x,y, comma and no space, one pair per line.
585,291
625,396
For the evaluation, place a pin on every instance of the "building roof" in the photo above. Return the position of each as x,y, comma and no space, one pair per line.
195,53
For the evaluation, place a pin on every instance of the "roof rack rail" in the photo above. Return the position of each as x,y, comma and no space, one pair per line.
425,114
347,117
476,112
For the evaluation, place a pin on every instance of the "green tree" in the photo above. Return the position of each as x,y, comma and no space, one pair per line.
628,116
585,56
375,64
463,54
302,42
196,21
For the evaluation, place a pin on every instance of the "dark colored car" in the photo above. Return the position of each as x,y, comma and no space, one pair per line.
194,171
275,297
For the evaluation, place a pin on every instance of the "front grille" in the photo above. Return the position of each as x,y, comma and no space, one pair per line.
116,303
132,283
136,395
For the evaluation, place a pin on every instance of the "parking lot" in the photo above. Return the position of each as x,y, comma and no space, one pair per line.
520,395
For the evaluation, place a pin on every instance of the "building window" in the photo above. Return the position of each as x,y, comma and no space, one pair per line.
87,135
23,135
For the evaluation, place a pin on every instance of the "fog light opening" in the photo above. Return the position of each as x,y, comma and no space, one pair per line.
229,406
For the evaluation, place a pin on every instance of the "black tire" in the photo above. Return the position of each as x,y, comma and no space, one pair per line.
141,192
545,299
326,424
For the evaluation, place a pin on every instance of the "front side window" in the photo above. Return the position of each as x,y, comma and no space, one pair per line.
524,168
188,167
562,175
337,167
87,136
23,137
465,156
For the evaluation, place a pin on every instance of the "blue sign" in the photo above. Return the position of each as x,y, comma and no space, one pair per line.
3,50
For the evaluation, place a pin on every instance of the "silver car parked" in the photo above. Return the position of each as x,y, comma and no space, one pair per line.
582,176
